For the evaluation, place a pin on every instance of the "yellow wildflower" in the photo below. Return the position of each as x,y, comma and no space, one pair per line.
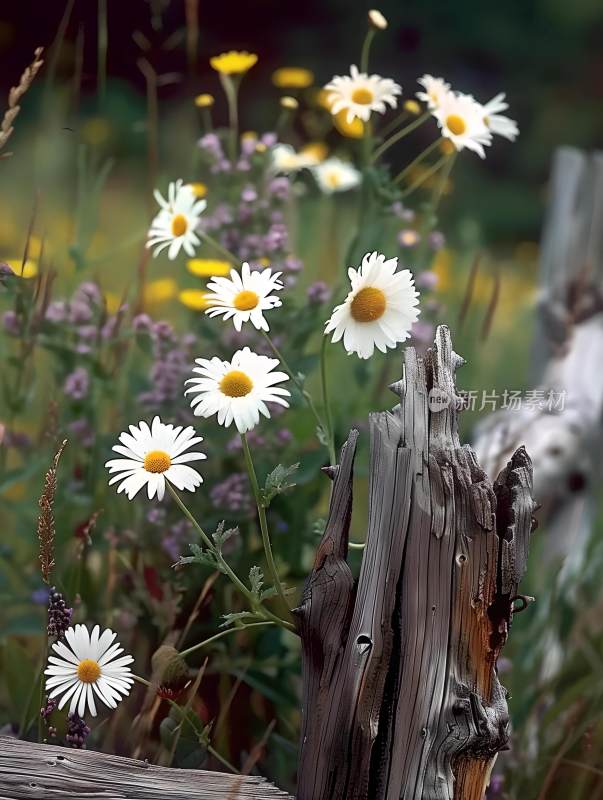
353,129
30,268
204,100
316,150
208,267
194,299
199,189
292,78
412,107
289,103
234,62
160,290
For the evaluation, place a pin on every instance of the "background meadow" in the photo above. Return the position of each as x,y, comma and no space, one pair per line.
112,116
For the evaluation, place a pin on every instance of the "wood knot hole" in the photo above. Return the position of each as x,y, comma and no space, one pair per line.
460,559
363,643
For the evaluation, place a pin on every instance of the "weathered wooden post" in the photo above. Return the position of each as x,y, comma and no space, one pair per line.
401,696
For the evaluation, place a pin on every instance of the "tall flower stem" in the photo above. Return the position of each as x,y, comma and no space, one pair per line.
263,521
393,124
424,177
231,90
222,250
366,49
304,393
401,175
225,567
400,135
325,401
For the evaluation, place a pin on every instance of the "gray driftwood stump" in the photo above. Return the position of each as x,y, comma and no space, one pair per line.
401,694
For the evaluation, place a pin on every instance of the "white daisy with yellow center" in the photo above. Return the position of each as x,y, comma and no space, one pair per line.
359,94
379,310
153,455
436,91
88,666
175,224
496,122
244,297
335,175
286,159
461,120
237,390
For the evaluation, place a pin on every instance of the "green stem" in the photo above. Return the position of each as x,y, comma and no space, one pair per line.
357,545
253,601
325,401
400,135
263,520
305,394
143,681
401,175
425,176
221,634
231,90
366,48
222,760
394,123
430,217
217,246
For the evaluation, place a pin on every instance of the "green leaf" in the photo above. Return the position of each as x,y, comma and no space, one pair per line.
278,482
256,580
200,556
221,535
239,616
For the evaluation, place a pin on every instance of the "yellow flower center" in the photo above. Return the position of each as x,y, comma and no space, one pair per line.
455,124
236,384
362,96
157,461
179,225
88,671
332,179
245,300
368,305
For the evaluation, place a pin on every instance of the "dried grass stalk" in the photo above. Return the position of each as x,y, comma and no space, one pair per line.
46,529
15,95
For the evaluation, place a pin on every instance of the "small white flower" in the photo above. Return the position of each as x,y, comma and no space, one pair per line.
380,309
360,94
244,297
461,120
376,19
286,159
175,224
496,122
154,455
237,390
88,667
335,175
436,90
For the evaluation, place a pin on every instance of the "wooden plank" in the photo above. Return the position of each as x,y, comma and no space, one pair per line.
30,771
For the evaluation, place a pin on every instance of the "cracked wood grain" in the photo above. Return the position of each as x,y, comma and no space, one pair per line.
402,699
30,771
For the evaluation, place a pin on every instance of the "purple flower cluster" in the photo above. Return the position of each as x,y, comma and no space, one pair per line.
233,494
59,614
77,731
319,293
77,384
254,226
175,536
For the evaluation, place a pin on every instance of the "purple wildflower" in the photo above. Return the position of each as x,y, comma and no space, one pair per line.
77,384
318,292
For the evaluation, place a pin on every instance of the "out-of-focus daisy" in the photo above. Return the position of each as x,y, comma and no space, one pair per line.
289,103
285,159
235,62
377,20
193,299
153,455
237,390
436,90
244,297
335,175
496,122
88,666
379,310
208,267
292,78
174,226
359,94
461,120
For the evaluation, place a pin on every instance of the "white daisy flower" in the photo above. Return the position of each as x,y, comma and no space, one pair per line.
174,226
335,175
496,122
154,455
360,94
244,297
237,390
461,120
380,309
286,159
436,90
88,666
